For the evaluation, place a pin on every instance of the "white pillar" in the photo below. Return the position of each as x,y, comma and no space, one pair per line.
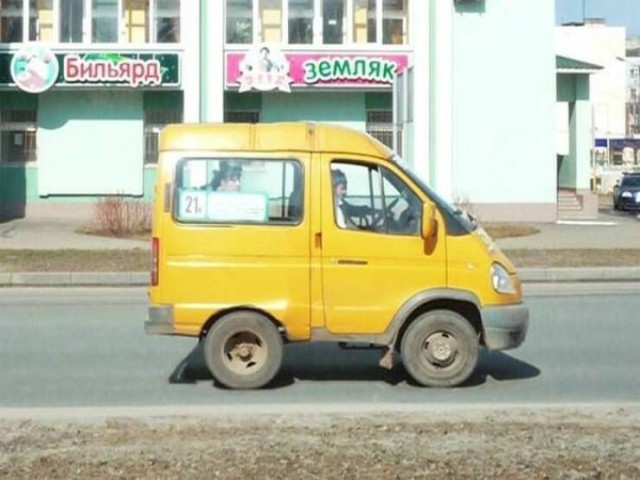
420,134
442,99
212,61
190,38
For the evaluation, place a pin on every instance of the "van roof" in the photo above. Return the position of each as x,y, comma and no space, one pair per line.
265,137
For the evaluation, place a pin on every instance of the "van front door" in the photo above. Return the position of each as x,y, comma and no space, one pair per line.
373,257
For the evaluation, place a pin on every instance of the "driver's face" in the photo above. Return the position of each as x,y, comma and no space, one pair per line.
341,190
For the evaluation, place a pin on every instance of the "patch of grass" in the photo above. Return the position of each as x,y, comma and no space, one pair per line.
69,260
138,260
510,230
567,257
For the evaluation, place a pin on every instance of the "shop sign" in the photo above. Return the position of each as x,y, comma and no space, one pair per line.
34,68
135,70
324,69
264,68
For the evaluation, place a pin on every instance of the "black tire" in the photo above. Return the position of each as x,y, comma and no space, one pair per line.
243,350
440,349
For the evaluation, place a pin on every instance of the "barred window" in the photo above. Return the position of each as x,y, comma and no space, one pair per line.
154,121
18,136
380,127
241,116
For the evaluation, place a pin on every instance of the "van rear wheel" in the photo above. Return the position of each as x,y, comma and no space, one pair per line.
440,349
243,350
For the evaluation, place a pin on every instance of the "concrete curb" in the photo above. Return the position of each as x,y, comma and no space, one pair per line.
119,279
73,279
583,274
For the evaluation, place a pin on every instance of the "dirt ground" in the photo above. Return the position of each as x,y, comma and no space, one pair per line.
541,443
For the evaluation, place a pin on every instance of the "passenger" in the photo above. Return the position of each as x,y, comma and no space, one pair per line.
227,178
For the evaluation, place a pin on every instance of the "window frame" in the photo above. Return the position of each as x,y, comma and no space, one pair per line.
31,29
297,163
317,25
382,172
152,127
28,127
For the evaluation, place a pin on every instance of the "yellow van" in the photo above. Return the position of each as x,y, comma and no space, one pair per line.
299,232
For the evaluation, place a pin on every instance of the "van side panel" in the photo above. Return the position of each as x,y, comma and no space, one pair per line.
367,276
206,269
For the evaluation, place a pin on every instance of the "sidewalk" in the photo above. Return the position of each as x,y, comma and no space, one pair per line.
612,230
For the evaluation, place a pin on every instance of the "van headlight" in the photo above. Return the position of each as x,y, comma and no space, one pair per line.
501,280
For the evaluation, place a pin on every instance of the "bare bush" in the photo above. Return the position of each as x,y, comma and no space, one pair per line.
115,216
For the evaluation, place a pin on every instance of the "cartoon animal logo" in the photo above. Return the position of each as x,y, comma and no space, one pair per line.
264,69
34,69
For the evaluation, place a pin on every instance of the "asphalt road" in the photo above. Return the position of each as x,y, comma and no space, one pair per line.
86,347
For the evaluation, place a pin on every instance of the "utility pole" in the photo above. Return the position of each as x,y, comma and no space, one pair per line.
584,10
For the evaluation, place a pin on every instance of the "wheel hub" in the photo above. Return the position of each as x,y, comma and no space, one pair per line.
244,352
441,349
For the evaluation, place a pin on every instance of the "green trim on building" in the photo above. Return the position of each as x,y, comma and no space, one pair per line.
378,100
566,63
163,101
17,100
242,101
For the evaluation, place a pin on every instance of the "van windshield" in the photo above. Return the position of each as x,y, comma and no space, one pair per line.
457,220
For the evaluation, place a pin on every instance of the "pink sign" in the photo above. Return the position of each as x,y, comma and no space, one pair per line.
305,69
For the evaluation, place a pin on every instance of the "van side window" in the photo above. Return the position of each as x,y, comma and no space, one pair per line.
372,198
236,190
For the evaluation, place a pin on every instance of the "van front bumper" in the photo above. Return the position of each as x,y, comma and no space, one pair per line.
160,320
505,326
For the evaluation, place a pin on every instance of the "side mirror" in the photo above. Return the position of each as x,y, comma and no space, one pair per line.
429,224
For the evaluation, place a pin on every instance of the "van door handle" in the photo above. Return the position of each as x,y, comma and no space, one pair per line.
352,261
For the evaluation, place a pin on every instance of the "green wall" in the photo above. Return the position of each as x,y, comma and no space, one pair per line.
343,108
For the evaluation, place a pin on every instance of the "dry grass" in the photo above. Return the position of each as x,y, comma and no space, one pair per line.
624,257
510,230
134,260
138,260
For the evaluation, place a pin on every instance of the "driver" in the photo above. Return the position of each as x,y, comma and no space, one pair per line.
345,211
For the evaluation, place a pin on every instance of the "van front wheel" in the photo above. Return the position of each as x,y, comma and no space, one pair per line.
440,349
243,350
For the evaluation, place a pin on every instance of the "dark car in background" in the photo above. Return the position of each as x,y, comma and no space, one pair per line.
626,194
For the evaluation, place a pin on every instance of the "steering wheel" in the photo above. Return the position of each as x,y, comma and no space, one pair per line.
378,216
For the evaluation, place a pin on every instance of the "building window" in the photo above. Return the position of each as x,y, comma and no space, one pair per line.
41,20
167,21
17,136
380,127
241,116
300,21
154,122
104,21
10,21
271,21
71,19
239,21
136,26
333,21
364,21
394,21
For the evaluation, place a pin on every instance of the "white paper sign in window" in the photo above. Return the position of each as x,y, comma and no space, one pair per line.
237,207
193,205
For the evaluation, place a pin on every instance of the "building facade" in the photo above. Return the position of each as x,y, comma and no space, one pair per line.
479,130
613,149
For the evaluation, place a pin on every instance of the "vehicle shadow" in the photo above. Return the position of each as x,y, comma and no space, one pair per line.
326,361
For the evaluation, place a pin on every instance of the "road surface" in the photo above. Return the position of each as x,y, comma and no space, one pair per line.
86,347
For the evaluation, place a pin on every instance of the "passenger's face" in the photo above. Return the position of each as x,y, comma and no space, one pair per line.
341,190
229,184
